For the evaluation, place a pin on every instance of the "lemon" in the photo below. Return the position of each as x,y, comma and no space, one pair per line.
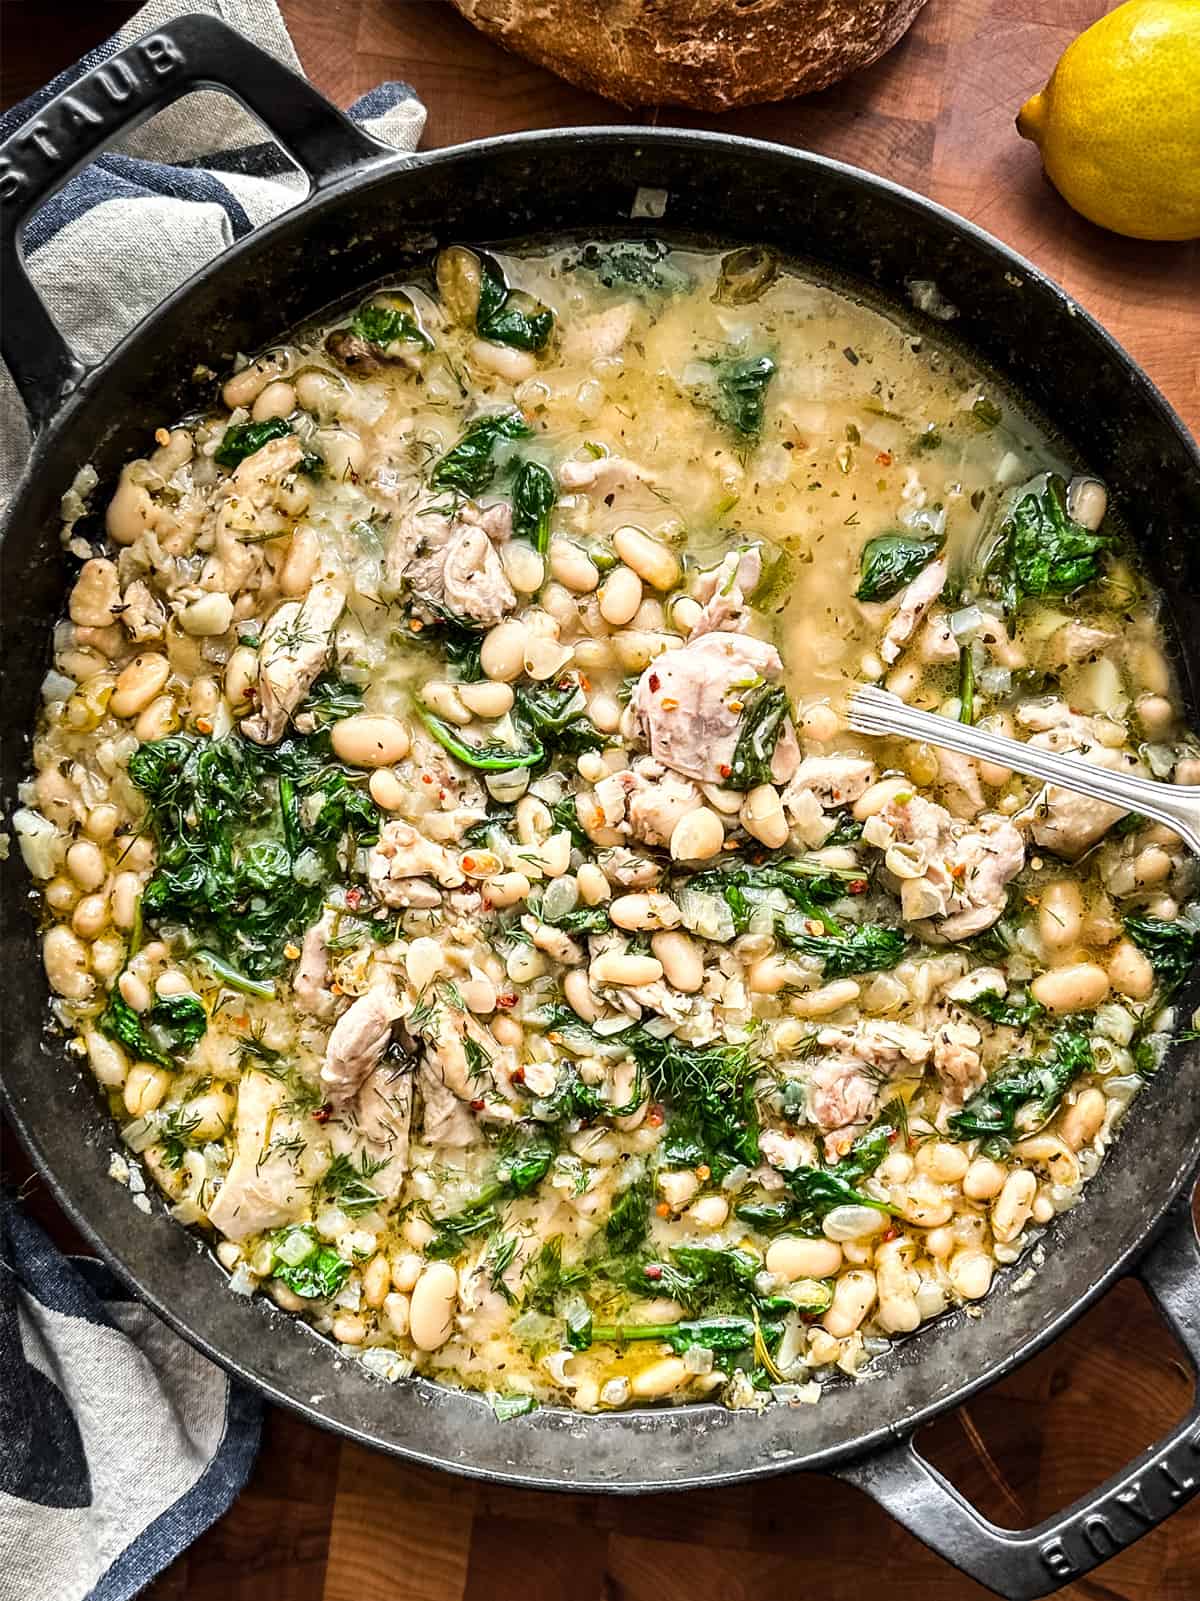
1118,125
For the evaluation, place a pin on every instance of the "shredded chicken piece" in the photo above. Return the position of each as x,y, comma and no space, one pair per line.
142,613
723,591
646,801
451,561
382,1115
915,601
958,779
952,876
957,1061
1061,820
403,861
358,1042
606,475
463,1071
294,649
834,780
263,1188
688,706
310,981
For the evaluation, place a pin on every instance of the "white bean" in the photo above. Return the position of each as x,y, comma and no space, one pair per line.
593,886
880,795
1060,915
1080,1123
697,836
502,654
922,1202
943,1162
682,962
573,567
853,1297
138,684
431,1313
644,911
523,567
649,558
444,701
158,720
244,388
96,597
1076,988
241,674
660,1378
709,1212
106,1059
386,790
90,916
624,968
762,816
85,863
791,1258
276,400
1010,1211
579,995
367,741
145,1088
984,1179
826,1000
65,959
486,699
396,1311
620,597
506,889
423,961
970,1273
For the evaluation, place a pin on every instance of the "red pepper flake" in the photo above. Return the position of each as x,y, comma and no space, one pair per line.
478,1106
703,1172
427,778
857,887
890,1233
518,1075
323,1113
884,459
724,769
505,1001
655,1116
468,864
354,898
663,1209
653,1271
893,1135
653,681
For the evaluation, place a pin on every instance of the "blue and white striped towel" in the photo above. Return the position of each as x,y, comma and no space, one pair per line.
119,1444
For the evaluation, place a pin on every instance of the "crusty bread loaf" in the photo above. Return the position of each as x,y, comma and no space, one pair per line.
709,54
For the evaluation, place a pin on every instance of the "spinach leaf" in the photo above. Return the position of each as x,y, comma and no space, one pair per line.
520,1169
727,1335
1173,948
309,1269
509,316
808,885
566,816
493,757
1007,1013
245,439
1041,549
867,948
554,717
247,837
468,465
395,324
815,1191
172,1027
741,396
329,700
889,562
629,1221
1039,1081
533,500
642,265
765,711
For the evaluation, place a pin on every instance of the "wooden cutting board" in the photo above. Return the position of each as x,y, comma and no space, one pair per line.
323,1521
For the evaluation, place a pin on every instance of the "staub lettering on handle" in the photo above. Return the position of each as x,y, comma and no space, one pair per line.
1128,1512
106,97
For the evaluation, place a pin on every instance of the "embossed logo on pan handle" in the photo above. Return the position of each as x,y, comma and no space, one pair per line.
112,98
1023,1564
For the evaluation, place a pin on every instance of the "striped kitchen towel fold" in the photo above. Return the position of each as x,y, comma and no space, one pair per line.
119,1444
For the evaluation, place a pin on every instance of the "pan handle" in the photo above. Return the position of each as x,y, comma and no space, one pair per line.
188,53
1022,1564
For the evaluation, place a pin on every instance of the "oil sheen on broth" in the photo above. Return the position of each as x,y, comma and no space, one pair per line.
456,870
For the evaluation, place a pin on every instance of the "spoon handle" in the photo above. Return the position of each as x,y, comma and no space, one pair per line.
874,711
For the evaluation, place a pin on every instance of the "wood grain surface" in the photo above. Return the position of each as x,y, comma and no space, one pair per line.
325,1521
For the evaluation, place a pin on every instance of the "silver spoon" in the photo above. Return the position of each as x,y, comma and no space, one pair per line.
874,711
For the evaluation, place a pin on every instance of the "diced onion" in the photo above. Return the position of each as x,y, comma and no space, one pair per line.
142,1132
293,1248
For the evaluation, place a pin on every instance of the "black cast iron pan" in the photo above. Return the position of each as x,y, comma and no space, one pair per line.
370,215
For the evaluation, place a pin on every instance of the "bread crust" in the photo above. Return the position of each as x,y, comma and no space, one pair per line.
706,54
